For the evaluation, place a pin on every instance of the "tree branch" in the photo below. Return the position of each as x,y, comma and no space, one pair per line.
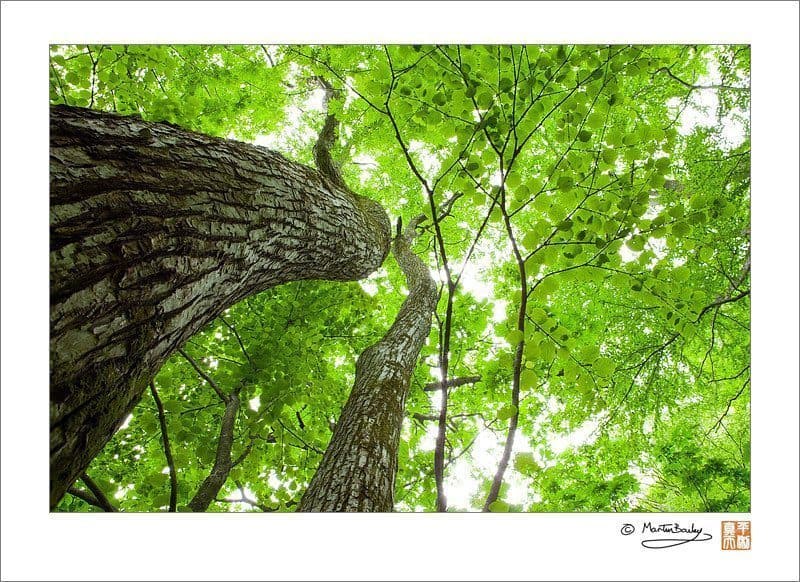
239,339
327,138
269,56
692,87
90,499
245,499
245,452
719,302
173,477
209,488
728,408
452,383
102,500
295,435
222,396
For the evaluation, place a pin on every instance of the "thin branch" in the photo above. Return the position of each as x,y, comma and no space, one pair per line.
431,417
692,87
60,86
87,497
101,498
452,460
295,435
173,476
238,338
452,383
513,422
269,56
195,409
245,452
231,360
94,73
222,396
243,498
738,375
728,408
659,350
719,302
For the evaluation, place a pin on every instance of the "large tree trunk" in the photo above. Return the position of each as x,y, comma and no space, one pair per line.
153,232
358,469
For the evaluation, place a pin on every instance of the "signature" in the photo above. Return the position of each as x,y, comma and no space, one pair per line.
678,535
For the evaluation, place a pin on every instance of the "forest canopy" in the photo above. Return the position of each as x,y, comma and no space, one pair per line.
588,229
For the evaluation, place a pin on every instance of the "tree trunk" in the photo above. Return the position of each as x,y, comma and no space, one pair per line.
154,231
358,469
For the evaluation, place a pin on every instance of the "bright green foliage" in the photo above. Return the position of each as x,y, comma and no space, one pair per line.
216,90
633,232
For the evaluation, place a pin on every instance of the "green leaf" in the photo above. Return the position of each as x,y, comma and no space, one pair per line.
525,463
681,274
680,229
172,406
156,479
513,180
565,225
515,336
507,412
528,379
604,366
697,201
706,253
538,315
484,99
531,350
589,354
498,507
636,243
596,120
662,165
149,423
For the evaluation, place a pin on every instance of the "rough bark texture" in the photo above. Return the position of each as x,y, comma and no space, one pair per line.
222,463
358,469
153,232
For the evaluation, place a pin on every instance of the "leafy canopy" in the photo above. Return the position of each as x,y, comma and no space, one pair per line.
592,248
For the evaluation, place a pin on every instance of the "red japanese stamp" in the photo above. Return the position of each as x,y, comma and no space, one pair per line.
736,535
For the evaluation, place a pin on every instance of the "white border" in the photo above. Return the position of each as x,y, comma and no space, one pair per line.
36,545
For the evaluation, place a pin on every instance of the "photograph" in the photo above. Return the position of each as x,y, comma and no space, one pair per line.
400,290
399,277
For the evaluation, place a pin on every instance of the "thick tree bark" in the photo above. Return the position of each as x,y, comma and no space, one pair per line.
358,469
153,232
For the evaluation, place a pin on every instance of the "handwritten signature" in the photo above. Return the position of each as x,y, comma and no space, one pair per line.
678,535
